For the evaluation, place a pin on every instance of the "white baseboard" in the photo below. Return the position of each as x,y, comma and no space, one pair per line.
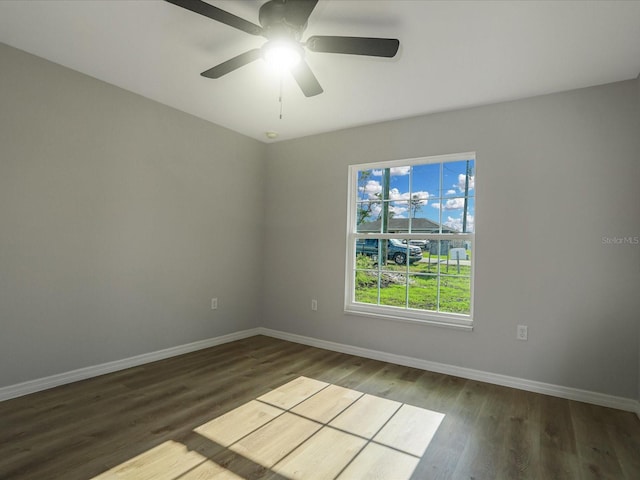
620,403
32,386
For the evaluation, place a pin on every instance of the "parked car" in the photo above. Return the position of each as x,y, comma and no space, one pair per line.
423,244
396,250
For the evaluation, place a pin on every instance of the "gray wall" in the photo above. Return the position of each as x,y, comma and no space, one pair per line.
555,174
120,218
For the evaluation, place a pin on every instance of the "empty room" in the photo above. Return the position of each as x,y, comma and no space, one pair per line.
319,239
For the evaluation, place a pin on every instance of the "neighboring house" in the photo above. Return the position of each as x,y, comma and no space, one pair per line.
418,225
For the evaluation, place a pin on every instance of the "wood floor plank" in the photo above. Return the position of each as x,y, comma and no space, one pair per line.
557,465
484,452
557,428
167,461
380,463
292,393
277,439
238,423
461,402
366,416
521,445
209,471
623,433
321,457
327,404
158,419
596,452
410,430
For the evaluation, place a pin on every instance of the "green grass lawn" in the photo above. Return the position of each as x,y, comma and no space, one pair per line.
423,285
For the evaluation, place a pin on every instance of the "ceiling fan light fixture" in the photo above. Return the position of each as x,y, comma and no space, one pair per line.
282,23
282,55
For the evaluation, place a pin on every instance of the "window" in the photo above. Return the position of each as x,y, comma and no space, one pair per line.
410,239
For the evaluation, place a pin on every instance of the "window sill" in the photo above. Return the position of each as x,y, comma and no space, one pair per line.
402,315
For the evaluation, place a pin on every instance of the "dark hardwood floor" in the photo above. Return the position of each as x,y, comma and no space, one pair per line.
109,426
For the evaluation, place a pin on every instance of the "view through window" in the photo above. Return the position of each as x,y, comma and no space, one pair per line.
410,239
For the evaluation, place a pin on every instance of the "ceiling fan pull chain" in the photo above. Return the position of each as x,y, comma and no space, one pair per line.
280,98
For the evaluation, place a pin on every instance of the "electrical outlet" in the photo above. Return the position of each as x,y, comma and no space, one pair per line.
314,304
214,304
521,333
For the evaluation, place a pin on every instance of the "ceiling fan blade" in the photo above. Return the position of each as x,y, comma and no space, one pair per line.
306,79
215,13
375,47
298,11
233,64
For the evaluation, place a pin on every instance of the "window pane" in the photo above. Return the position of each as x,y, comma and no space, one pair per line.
399,183
366,294
397,213
453,215
438,251
425,180
454,179
393,290
459,259
368,217
366,283
423,292
418,202
427,219
398,251
455,294
367,249
369,185
430,258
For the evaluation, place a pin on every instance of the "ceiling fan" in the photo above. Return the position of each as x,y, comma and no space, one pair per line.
282,23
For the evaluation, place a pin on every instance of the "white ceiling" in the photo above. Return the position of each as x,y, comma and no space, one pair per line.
452,55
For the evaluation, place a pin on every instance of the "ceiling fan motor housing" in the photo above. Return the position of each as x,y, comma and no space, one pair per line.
273,18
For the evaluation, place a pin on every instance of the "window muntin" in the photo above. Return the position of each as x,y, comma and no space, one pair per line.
422,210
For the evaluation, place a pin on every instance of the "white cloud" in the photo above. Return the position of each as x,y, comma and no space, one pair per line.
371,189
450,204
396,195
399,171
398,211
461,181
451,192
456,223
422,196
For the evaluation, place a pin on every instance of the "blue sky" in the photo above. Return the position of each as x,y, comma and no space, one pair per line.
437,189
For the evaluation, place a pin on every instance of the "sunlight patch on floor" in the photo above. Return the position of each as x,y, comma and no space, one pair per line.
305,429
168,461
233,426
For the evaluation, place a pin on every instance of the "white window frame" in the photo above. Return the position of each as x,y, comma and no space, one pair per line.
453,320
